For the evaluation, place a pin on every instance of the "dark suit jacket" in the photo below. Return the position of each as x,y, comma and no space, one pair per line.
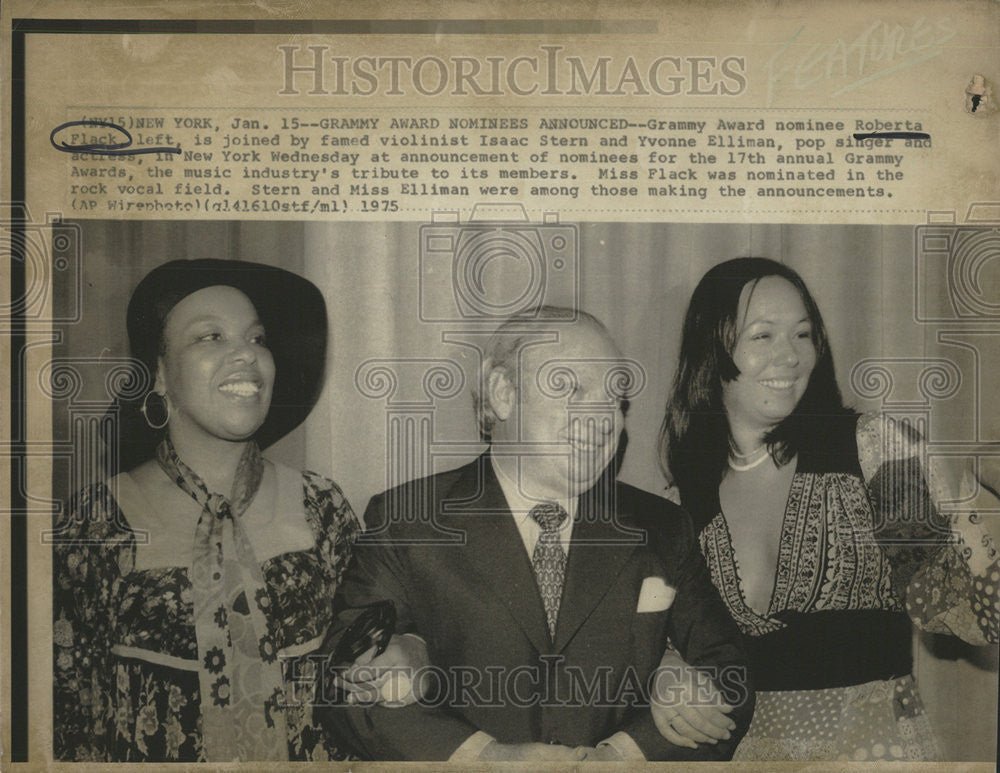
446,550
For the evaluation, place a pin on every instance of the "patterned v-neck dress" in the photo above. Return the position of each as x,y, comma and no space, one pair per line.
126,655
864,549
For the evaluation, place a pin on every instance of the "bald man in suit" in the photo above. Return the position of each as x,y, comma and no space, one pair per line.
547,620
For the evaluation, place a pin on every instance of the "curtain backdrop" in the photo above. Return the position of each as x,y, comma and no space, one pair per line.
396,403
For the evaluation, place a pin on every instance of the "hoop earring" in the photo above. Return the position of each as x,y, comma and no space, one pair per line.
144,410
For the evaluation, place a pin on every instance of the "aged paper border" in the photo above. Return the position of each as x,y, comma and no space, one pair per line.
973,190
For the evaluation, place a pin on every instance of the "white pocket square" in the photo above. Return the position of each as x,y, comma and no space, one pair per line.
655,595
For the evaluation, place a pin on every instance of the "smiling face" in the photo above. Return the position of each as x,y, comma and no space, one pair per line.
775,354
560,417
215,369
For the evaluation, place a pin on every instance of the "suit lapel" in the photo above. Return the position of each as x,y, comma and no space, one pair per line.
494,549
599,550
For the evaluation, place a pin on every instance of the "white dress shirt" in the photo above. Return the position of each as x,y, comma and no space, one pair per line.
520,508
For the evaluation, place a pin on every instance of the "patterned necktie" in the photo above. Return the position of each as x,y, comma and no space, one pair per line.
242,700
549,560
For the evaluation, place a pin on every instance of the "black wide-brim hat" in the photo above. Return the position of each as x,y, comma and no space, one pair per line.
290,307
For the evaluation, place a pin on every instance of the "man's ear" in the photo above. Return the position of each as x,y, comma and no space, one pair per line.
503,395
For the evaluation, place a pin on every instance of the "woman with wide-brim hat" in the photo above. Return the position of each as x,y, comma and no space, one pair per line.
188,589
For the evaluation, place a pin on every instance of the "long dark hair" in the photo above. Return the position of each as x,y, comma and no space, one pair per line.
694,438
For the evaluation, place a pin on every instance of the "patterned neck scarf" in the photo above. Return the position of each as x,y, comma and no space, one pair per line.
242,698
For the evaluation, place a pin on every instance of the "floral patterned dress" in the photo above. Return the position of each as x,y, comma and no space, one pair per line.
864,549
126,655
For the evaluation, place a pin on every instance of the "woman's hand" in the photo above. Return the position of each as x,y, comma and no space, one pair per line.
390,679
686,706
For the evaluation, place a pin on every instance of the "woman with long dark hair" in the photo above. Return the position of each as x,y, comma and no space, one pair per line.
188,587
821,526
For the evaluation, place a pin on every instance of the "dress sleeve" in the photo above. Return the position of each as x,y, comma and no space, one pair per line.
944,563
88,546
339,525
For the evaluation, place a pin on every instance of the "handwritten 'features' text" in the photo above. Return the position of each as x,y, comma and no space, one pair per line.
879,49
